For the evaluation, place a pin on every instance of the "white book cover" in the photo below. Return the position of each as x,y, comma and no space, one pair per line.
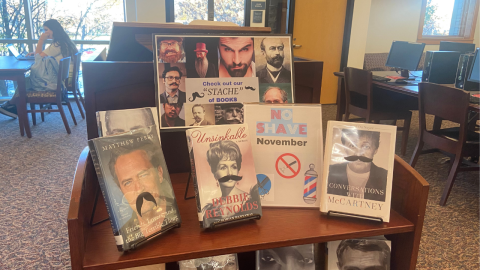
365,253
119,121
287,145
358,169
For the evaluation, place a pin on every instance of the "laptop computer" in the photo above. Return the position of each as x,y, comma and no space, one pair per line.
17,55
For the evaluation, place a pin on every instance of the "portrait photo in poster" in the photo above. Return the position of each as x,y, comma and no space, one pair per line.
224,174
287,141
375,253
359,168
221,262
273,60
217,71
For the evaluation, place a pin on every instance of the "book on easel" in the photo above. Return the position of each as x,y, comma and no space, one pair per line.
226,262
136,186
358,170
223,173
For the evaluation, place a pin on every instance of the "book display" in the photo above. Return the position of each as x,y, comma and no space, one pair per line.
358,169
233,159
285,258
291,134
135,185
365,253
223,262
204,80
223,172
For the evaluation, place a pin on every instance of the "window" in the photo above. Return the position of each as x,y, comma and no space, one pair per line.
87,22
222,10
451,20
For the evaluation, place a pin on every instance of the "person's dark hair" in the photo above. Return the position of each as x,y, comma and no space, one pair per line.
168,69
282,93
146,112
61,38
151,150
262,45
179,104
364,245
223,149
373,135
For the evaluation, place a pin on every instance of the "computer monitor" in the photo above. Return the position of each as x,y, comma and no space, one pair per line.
456,47
405,56
475,71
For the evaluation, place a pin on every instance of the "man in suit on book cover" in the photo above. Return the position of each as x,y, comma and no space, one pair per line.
363,254
138,172
359,177
199,115
274,71
171,77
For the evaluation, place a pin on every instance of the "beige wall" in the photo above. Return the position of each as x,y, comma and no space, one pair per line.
145,11
358,36
396,20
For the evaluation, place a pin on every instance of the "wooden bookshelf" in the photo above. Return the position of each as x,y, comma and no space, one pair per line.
94,247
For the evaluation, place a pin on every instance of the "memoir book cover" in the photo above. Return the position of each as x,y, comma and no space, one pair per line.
224,175
136,186
358,169
288,145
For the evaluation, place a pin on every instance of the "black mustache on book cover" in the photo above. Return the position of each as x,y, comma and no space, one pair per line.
147,196
230,177
361,158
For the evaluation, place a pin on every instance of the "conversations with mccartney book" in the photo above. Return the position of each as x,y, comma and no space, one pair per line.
358,169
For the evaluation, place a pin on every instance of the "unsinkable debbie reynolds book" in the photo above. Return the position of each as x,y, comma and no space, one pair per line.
136,186
224,175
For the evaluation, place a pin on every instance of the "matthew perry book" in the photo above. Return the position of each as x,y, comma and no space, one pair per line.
287,141
224,175
358,169
136,186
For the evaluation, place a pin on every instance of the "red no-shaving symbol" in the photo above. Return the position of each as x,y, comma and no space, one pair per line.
287,165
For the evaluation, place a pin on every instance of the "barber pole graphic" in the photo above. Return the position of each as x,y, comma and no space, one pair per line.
310,185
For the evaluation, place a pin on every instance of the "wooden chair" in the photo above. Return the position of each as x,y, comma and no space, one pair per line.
58,97
72,83
449,104
360,102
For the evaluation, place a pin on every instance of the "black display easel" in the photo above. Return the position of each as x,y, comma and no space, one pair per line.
97,193
336,213
186,190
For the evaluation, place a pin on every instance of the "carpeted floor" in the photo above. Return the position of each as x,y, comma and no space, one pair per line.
37,173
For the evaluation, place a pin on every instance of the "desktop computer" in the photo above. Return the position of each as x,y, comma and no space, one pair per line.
463,70
457,47
440,67
405,56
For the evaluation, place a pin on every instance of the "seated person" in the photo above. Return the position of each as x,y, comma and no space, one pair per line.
61,47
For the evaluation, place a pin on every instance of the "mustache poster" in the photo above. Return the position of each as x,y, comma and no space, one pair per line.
198,77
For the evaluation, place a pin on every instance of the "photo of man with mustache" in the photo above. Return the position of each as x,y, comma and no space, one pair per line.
232,113
170,50
203,67
236,57
171,77
358,177
171,115
137,171
274,72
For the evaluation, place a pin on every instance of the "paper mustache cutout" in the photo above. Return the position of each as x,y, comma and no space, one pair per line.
230,177
361,158
250,88
147,196
195,95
